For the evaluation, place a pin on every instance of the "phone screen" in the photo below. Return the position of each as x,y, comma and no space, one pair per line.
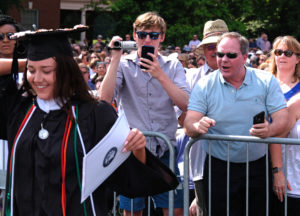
259,118
147,49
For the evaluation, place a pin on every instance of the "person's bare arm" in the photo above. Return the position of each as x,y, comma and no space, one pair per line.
196,123
177,95
6,65
280,123
278,177
181,119
107,88
275,149
276,153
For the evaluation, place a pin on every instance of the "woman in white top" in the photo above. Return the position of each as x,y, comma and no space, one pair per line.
285,66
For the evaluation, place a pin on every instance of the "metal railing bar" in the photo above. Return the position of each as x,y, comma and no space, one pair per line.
291,141
267,182
171,165
285,181
115,204
209,177
149,205
247,178
228,180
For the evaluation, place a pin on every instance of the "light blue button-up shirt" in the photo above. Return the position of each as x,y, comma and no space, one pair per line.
233,110
145,102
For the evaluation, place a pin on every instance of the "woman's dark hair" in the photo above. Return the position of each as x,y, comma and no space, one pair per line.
69,83
5,19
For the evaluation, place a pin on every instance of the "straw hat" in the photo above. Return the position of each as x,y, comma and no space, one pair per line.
212,31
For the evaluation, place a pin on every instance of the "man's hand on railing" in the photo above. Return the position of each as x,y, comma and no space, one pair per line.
196,123
261,130
204,124
278,185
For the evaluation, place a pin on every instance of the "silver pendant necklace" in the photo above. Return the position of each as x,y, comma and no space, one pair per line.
43,133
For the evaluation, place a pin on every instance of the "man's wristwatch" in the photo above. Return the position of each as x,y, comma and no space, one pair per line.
276,169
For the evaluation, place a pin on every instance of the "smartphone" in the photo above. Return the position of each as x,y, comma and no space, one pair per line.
147,49
259,118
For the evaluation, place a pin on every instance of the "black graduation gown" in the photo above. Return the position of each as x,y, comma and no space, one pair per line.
37,181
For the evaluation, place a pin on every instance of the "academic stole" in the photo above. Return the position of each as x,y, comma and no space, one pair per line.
10,193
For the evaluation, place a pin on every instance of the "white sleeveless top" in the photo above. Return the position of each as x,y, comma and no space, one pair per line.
293,162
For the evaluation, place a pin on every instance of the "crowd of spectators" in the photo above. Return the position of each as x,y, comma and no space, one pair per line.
97,56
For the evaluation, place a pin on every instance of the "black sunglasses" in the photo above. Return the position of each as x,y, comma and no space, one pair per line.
2,35
229,55
152,35
287,53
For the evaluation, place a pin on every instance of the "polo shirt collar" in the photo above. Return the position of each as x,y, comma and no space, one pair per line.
206,68
247,80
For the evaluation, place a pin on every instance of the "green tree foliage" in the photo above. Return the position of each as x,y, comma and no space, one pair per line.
185,18
281,17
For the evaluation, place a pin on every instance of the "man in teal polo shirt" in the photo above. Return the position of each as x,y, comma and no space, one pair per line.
224,102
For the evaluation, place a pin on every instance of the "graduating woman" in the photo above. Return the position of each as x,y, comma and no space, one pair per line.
50,123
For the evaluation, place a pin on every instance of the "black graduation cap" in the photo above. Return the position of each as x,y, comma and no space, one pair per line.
46,43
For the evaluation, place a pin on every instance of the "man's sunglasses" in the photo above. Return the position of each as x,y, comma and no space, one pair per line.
2,35
152,35
287,53
229,55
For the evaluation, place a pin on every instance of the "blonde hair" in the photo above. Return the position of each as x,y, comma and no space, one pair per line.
184,59
264,66
149,20
292,44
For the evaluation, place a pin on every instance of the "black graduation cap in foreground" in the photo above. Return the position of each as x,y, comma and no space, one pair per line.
46,43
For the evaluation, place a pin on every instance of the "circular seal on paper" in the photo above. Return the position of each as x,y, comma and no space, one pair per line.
109,157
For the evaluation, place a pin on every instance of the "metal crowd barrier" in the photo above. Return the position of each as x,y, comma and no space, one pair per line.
229,138
3,153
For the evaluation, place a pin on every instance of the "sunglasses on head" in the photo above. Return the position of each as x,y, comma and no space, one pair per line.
287,53
152,35
2,35
229,55
211,46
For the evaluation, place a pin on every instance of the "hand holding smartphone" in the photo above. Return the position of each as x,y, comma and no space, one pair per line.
147,49
259,118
